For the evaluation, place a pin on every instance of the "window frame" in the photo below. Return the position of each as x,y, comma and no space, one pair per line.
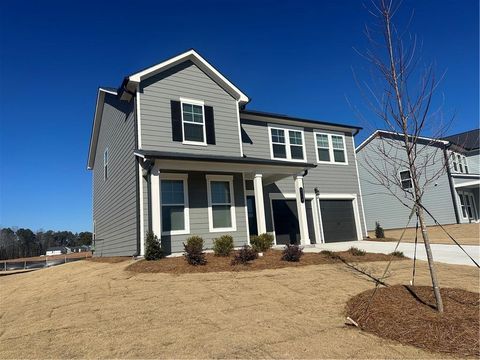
224,178
401,180
196,103
105,164
186,207
330,148
288,152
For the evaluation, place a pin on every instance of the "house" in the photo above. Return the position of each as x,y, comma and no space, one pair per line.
453,196
174,150
81,248
56,250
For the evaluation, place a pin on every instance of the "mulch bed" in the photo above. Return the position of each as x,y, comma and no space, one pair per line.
269,260
110,259
407,314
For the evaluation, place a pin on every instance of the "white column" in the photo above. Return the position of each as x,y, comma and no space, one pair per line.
155,184
259,205
301,211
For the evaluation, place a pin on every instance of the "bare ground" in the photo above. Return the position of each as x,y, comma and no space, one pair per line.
465,234
97,310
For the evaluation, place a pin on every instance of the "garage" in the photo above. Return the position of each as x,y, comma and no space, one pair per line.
338,220
285,221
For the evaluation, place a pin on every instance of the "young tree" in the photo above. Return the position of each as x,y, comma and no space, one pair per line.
401,96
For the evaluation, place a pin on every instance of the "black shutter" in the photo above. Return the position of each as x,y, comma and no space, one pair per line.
209,125
176,120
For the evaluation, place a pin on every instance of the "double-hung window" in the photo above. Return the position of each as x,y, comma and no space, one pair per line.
406,179
105,164
221,205
287,144
174,204
330,148
193,122
460,164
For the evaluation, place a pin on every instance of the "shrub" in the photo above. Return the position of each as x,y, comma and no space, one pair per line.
356,251
153,249
397,253
262,242
292,253
244,255
379,233
194,251
223,245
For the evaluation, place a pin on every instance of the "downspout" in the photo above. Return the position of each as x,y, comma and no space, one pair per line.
452,187
137,182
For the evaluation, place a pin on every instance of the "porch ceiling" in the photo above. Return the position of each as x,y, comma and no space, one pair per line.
272,169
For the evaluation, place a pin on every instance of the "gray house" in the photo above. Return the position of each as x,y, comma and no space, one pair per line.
453,198
174,150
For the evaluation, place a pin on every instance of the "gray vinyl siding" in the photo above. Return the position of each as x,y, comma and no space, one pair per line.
385,208
198,213
114,200
187,81
329,178
473,161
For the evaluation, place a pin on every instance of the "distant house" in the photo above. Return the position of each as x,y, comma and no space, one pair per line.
57,250
82,248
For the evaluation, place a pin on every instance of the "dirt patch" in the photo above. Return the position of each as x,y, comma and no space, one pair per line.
270,260
110,259
407,314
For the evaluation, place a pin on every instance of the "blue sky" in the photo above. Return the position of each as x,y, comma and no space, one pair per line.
291,57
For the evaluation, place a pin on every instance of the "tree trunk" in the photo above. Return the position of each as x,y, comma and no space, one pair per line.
431,264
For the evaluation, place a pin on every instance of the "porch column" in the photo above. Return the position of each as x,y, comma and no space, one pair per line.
155,199
301,210
259,205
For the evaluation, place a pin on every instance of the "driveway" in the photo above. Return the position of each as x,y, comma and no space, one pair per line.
449,254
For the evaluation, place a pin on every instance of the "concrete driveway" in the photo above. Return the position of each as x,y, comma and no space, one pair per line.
449,254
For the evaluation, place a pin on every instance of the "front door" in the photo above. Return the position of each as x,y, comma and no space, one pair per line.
287,230
252,215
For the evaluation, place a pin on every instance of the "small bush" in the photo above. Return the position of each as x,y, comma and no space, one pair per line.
356,251
223,245
194,251
262,242
397,253
329,254
379,233
153,249
292,253
244,255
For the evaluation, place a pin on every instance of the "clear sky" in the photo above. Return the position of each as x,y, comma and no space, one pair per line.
291,57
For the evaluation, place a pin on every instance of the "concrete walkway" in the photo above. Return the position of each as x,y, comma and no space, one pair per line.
449,254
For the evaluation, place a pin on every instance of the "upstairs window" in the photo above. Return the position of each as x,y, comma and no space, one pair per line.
105,164
406,179
465,165
193,122
331,148
287,144
460,165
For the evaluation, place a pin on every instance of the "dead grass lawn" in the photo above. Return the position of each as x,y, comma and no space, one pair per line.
96,310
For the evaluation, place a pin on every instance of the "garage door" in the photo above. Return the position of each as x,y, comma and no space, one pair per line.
338,220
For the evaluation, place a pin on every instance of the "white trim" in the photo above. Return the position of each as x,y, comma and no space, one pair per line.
286,130
466,193
468,183
401,180
139,122
97,119
259,204
239,129
377,132
186,209
142,215
204,126
156,215
330,148
360,189
246,209
228,178
108,91
197,60
301,211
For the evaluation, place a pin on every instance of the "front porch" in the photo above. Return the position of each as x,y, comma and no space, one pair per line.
185,195
467,197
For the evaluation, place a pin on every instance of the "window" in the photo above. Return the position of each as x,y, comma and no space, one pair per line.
406,179
330,148
105,165
462,205
454,161
174,204
465,165
221,207
193,122
460,165
287,144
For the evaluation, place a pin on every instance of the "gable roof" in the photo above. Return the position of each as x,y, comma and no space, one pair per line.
378,133
198,60
469,140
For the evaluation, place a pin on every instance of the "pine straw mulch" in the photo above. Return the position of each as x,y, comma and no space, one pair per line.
407,314
270,260
110,259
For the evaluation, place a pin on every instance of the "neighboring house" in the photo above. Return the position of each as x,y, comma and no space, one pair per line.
81,248
173,150
57,250
453,198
